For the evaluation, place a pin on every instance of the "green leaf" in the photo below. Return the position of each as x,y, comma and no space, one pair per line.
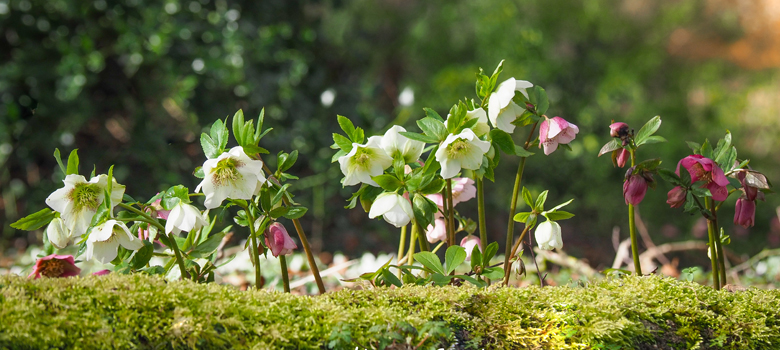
558,215
295,212
476,257
669,176
647,130
649,165
503,140
344,143
527,198
522,217
651,139
441,279
388,277
388,182
336,156
279,194
73,163
251,150
347,126
259,133
35,220
432,114
210,148
695,147
419,137
706,149
423,209
490,252
454,256
219,133
493,273
143,255
279,212
431,261
174,195
539,98
289,161
199,173
208,246
238,127
435,186
59,161
539,205
610,146
432,127
522,152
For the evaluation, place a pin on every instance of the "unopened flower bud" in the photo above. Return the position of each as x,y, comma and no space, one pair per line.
745,213
676,197
468,243
634,189
623,157
278,240
618,129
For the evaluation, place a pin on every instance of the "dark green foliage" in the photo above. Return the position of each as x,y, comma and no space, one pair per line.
130,311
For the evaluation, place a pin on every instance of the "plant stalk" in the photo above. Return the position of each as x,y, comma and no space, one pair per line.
161,228
253,250
718,243
481,208
632,231
412,239
401,248
450,214
508,267
285,276
713,248
421,237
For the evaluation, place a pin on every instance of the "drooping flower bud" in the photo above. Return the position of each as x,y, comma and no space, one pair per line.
676,197
618,129
548,235
623,157
745,213
468,243
58,233
555,131
278,240
634,189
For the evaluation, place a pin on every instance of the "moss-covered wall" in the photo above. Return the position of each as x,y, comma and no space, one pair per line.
138,311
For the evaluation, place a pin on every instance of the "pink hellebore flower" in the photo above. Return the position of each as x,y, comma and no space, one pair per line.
463,189
55,266
745,213
623,157
634,189
101,272
468,243
437,231
618,129
676,197
705,169
556,131
278,240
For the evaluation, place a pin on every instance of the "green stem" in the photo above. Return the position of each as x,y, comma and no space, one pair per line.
713,249
174,246
481,209
510,230
412,239
438,246
632,229
718,243
401,248
508,267
450,214
285,277
253,248
421,237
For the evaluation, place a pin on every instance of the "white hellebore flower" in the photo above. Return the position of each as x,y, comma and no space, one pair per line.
104,239
184,217
502,111
548,235
482,126
365,161
464,150
231,175
393,143
58,234
78,201
393,207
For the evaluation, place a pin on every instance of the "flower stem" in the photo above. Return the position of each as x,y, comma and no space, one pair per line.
315,271
412,238
481,209
718,243
438,246
632,229
401,248
161,228
254,247
510,230
285,277
508,267
421,238
713,248
450,214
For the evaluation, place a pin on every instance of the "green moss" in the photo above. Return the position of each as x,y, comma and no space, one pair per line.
138,311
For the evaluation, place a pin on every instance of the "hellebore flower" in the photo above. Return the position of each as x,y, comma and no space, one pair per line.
364,161
58,234
394,143
745,213
55,266
556,131
634,189
104,239
278,240
184,217
502,111
231,175
482,126
437,231
676,197
618,130
393,207
101,272
463,189
623,157
548,235
462,151
468,243
78,201
705,169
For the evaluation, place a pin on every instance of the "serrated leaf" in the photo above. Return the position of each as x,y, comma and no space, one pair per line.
423,209
453,257
73,163
670,176
419,137
539,204
527,197
695,147
490,252
391,278
143,255
295,212
388,182
432,127
347,126
432,114
503,140
208,246
35,220
289,161
558,215
431,261
209,146
647,130
278,212
198,172
522,152
434,186
219,134
250,150
610,146
649,165
338,155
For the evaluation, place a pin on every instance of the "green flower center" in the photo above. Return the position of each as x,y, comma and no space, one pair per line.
457,148
226,171
362,157
85,195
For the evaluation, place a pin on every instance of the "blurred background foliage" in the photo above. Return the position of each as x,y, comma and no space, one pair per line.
134,82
